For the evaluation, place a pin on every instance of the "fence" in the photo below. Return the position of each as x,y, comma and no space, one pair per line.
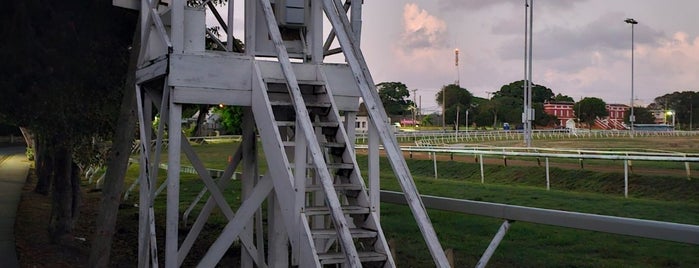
546,153
441,137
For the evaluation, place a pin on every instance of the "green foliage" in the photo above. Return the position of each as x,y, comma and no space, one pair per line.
560,97
590,108
507,105
642,115
540,94
457,98
683,103
394,97
427,120
231,118
541,118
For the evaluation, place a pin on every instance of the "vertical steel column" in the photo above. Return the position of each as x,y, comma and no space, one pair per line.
230,39
373,168
173,186
144,189
248,144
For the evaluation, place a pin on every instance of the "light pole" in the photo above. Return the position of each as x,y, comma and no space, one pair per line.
671,113
527,115
632,118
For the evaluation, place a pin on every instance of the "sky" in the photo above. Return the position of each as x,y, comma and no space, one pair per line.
582,48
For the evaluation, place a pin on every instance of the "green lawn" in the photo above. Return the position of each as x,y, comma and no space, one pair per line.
665,198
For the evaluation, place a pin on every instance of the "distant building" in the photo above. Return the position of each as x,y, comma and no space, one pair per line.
564,111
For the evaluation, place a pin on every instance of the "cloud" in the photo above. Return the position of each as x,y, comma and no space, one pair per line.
608,35
667,66
421,30
476,5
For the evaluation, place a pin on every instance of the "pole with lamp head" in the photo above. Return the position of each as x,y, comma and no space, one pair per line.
632,118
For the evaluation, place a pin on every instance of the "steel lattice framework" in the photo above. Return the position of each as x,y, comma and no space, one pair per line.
319,210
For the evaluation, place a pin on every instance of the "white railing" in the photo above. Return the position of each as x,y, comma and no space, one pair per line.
546,153
448,137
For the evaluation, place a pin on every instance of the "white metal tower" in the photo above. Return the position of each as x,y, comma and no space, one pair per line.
319,210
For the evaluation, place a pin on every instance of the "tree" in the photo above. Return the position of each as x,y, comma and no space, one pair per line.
589,109
642,115
560,97
541,118
63,68
231,117
394,97
427,120
683,104
540,94
457,98
508,103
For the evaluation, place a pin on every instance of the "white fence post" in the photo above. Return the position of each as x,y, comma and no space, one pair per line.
548,181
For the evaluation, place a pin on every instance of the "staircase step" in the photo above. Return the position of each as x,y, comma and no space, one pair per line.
315,124
333,144
322,144
311,211
312,104
338,187
340,165
339,257
332,233
300,82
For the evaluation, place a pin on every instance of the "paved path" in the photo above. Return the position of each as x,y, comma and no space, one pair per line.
14,167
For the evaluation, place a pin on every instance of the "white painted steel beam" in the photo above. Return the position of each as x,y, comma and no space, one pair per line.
283,178
493,245
316,154
247,209
335,13
683,233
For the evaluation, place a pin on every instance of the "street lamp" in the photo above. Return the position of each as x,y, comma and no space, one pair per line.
527,114
632,118
672,113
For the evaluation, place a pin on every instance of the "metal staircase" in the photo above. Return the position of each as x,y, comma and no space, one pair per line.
340,220
319,211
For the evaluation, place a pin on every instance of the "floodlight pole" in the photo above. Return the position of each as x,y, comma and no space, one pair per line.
632,117
527,115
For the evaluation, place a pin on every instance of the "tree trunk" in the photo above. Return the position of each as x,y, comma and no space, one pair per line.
198,129
44,165
65,195
116,165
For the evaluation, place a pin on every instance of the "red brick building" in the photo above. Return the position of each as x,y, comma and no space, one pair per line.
564,111
561,109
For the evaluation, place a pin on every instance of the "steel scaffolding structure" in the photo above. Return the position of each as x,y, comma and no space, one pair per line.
319,210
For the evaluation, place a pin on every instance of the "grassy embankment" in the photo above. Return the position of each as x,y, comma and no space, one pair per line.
665,198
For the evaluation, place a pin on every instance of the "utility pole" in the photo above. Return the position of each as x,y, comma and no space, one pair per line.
456,65
414,106
632,117
527,114
444,108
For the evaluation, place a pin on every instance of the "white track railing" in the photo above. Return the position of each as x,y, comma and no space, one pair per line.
442,137
546,153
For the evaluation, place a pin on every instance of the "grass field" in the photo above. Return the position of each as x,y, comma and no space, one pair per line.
664,198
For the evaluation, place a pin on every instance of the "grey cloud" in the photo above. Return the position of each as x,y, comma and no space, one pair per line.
609,33
423,39
475,5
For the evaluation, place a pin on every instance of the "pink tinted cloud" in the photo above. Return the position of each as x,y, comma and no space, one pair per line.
421,30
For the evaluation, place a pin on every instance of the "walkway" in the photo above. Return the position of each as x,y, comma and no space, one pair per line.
14,167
